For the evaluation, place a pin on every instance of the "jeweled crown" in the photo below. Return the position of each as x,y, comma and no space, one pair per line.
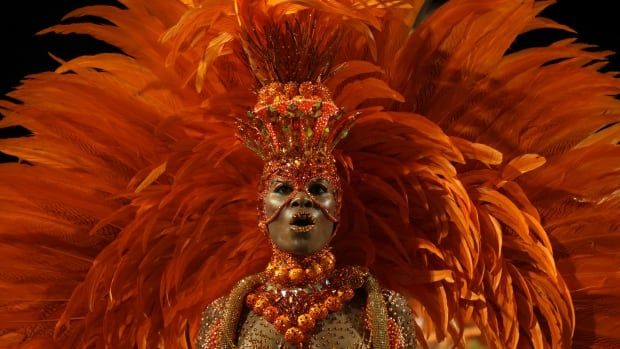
293,122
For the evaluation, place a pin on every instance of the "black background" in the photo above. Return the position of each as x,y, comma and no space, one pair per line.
24,53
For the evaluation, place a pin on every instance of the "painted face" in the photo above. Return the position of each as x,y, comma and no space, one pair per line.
300,216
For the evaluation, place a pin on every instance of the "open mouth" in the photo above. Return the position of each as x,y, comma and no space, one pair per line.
302,222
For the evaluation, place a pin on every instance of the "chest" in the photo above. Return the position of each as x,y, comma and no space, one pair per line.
340,330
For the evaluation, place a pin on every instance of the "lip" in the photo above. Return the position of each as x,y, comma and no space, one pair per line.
302,222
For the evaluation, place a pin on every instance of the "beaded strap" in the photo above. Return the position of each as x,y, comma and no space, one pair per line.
378,314
234,306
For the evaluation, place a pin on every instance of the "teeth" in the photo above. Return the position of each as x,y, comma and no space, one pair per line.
302,222
301,229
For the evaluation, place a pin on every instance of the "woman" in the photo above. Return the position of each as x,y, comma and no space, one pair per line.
301,299
479,185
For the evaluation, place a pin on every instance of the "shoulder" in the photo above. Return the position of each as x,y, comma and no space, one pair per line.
393,306
234,298
214,310
400,313
224,312
209,321
397,303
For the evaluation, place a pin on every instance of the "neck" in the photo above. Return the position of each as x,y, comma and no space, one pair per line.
287,269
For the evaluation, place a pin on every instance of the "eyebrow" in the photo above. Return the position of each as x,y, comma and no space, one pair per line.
319,180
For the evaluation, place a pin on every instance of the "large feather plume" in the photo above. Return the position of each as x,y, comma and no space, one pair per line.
480,184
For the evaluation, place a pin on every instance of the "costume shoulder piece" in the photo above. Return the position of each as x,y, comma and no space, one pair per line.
403,321
478,181
210,324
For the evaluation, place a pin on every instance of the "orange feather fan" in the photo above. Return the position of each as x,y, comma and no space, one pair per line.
480,184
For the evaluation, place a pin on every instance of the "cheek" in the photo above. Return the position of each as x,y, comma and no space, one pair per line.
328,202
272,202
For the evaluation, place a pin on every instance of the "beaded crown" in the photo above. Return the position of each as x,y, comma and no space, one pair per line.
294,123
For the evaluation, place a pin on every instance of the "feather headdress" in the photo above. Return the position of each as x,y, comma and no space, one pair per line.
480,184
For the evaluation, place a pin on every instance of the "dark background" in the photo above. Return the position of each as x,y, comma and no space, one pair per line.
24,53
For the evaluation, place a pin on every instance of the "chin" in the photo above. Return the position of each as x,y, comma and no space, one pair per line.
301,244
301,252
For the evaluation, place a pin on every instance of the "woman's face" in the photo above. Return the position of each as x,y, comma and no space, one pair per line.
300,217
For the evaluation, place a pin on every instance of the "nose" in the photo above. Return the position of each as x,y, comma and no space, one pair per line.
301,199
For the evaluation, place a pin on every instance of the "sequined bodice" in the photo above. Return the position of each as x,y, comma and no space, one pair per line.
344,329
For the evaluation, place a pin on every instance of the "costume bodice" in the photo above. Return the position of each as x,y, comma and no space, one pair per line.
347,328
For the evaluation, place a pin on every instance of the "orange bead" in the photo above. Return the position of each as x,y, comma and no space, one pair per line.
305,89
282,323
259,305
296,275
270,313
346,294
280,276
333,303
317,269
318,312
306,322
290,89
294,335
327,263
250,300
310,273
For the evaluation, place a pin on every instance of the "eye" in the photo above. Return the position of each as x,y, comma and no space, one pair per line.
317,188
283,188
